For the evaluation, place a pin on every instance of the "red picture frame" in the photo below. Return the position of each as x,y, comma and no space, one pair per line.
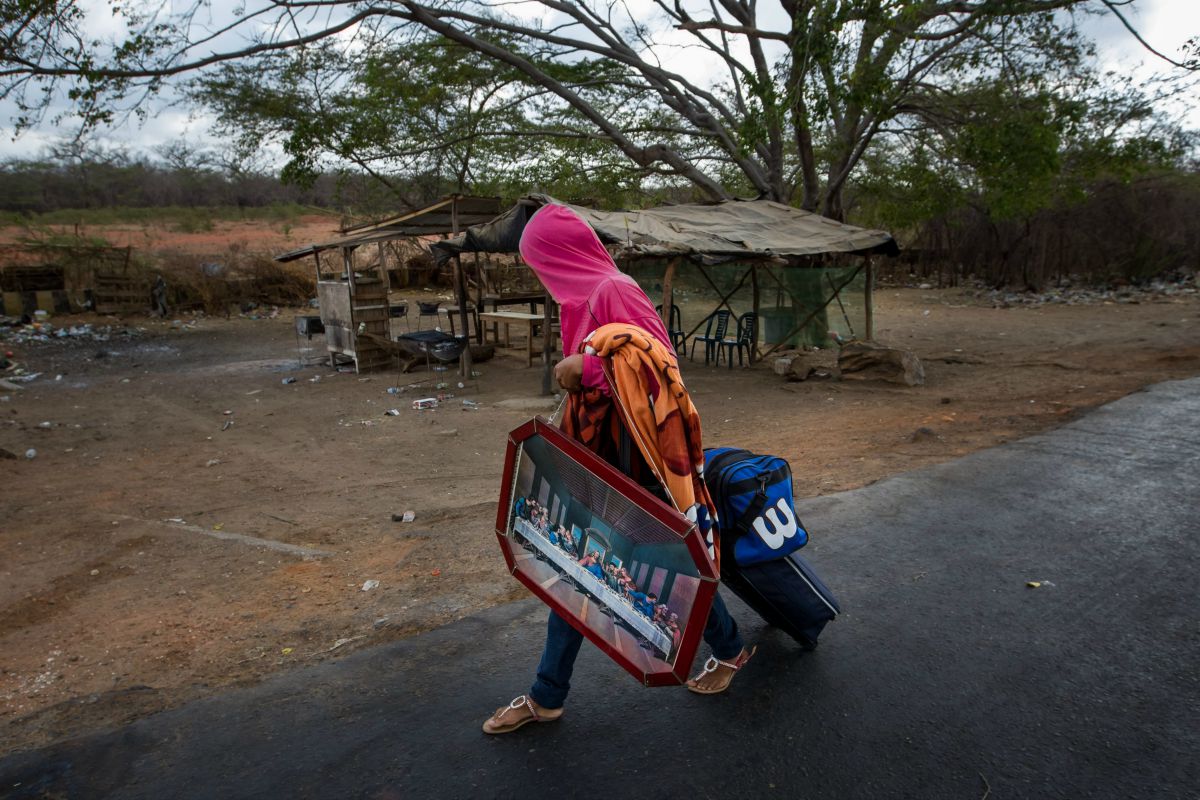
621,518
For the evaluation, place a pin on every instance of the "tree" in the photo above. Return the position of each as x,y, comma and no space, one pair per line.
806,89
440,116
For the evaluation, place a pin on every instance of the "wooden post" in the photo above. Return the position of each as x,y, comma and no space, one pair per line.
460,296
668,302
868,302
478,299
383,272
757,317
547,345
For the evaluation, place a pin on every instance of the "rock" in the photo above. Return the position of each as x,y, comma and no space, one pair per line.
871,361
783,362
529,403
805,365
923,435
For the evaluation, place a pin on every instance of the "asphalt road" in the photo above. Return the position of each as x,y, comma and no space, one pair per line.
946,677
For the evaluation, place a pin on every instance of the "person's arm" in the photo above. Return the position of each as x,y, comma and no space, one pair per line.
593,375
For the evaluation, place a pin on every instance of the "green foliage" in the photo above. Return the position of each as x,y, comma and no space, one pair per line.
426,117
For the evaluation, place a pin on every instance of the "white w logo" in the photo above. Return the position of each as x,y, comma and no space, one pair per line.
781,529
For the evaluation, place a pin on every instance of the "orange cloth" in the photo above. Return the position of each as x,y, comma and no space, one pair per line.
656,409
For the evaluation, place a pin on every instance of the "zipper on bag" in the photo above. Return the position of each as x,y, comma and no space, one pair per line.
814,589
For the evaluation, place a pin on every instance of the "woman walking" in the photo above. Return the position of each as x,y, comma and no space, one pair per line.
627,404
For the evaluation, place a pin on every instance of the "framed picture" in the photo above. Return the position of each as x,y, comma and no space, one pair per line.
575,560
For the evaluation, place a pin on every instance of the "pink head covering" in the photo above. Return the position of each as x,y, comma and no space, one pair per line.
581,276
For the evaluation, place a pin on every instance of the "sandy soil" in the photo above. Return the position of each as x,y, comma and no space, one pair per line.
108,611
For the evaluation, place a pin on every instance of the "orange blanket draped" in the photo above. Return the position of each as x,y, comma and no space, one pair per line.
654,406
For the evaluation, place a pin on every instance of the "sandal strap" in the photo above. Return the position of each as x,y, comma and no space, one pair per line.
516,703
713,662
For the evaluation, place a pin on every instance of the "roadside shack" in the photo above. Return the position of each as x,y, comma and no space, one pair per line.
355,311
737,276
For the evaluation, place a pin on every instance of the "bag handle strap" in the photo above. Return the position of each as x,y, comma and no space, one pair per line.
753,511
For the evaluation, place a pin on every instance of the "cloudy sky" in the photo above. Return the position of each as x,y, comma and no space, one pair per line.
1165,24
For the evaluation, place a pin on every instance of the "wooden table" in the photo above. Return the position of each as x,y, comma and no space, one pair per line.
517,299
507,318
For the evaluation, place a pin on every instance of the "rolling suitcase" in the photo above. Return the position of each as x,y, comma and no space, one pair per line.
786,593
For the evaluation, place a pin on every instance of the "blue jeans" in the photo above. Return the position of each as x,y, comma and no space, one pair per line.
553,681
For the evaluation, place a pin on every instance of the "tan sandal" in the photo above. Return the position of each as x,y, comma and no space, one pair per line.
713,664
496,723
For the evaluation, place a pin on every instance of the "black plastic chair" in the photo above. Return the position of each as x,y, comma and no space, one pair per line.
715,329
428,310
400,309
747,338
675,328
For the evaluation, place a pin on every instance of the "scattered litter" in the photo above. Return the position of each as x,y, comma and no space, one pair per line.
288,381
408,516
392,412
43,331
436,573
212,462
462,385
219,526
94,572
425,403
315,379
180,520
251,394
369,585
442,385
32,376
31,454
1038,584
227,412
341,642
228,424
440,368
45,425
471,404
448,432
287,651
58,377
395,390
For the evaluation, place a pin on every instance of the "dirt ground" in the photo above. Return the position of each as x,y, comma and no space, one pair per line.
109,610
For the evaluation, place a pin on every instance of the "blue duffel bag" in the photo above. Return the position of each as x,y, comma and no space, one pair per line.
753,495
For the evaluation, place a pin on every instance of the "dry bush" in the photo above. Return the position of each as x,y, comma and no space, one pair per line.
1118,233
218,287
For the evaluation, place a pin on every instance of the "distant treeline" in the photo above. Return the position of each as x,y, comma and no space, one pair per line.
1115,232
40,187
1105,230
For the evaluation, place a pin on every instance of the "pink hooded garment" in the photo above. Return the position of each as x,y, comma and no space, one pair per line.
580,275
